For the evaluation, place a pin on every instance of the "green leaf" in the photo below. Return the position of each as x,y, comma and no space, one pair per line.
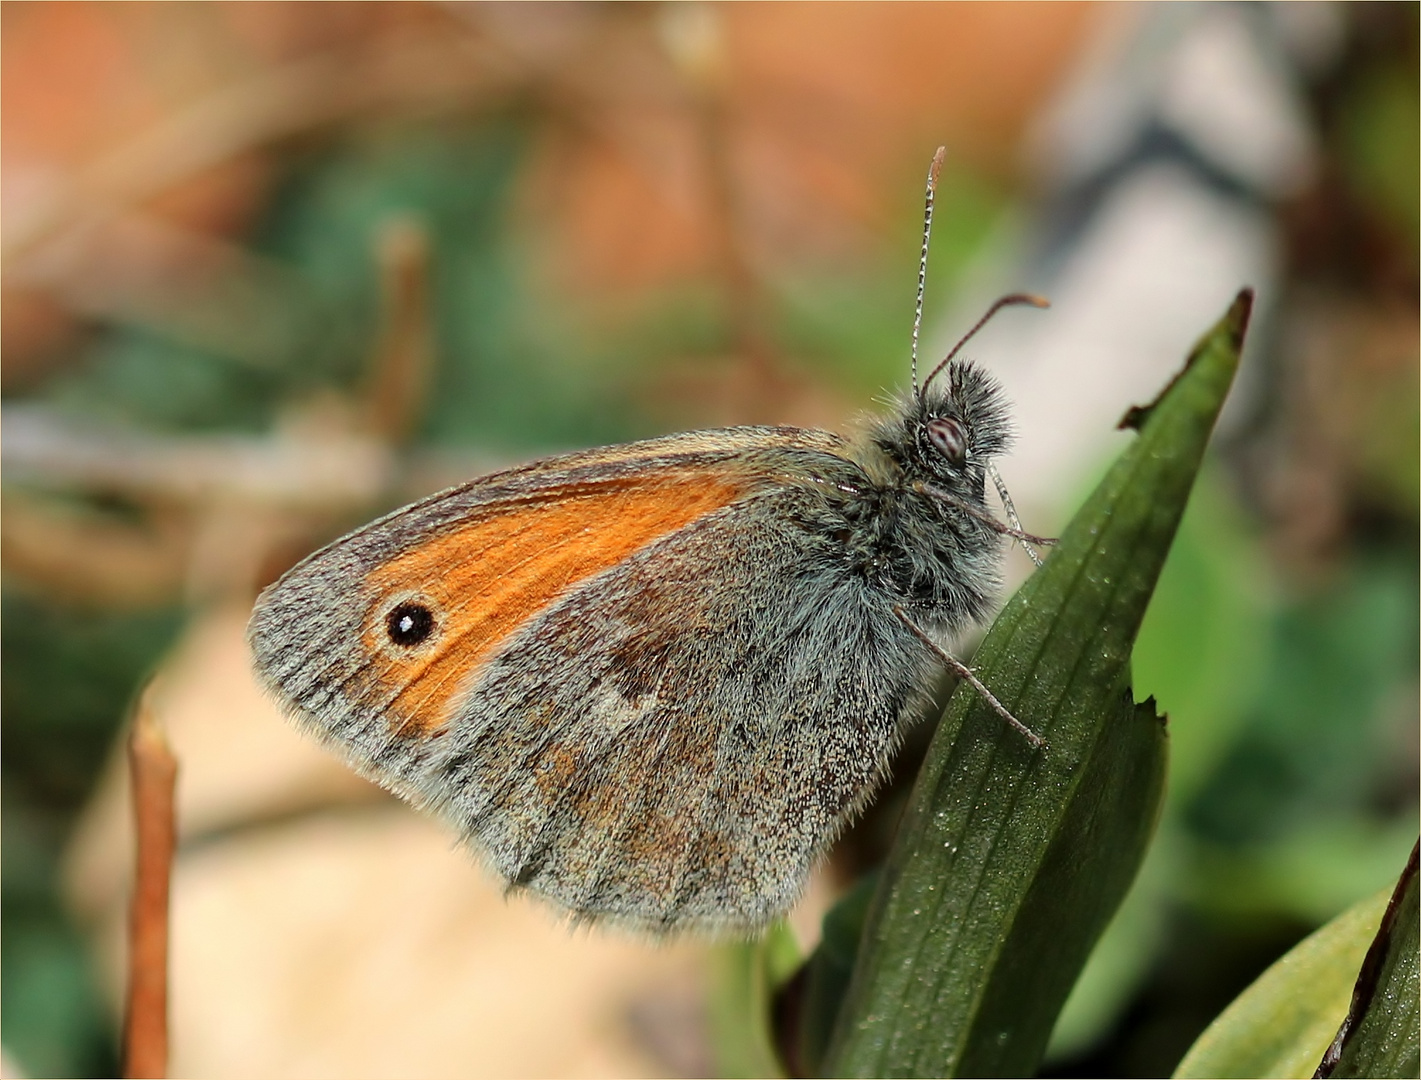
1313,1005
826,974
1202,652
749,974
1010,860
1281,1025
1380,1036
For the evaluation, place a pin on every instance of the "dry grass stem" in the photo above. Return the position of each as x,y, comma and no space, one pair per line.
404,355
154,772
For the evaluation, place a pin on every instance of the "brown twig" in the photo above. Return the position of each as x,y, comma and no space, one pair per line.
154,772
414,70
317,471
698,51
404,356
301,482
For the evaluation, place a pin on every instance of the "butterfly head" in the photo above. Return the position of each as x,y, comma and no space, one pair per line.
956,418
961,419
947,433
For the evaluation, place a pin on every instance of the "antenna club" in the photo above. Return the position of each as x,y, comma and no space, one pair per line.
935,169
1023,298
1010,300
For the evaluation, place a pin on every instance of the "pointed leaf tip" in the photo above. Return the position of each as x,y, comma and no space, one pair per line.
1240,311
1227,331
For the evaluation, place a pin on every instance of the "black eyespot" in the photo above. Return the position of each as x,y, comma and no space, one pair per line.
409,623
949,437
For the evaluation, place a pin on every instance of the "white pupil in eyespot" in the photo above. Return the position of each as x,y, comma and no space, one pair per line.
409,624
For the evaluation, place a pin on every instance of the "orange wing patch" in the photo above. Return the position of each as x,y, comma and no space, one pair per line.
489,578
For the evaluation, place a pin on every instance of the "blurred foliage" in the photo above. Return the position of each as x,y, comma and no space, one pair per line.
1283,1023
1291,693
740,1008
1382,133
851,321
1382,1033
1292,778
517,368
495,383
65,679
77,671
500,377
1322,725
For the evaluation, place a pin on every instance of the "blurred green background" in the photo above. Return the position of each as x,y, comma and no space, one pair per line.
636,221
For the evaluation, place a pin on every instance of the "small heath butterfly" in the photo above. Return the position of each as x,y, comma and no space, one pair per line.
651,683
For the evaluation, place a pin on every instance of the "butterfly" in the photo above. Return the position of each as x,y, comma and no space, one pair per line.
651,683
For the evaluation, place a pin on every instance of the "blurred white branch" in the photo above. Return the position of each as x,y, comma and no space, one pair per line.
330,472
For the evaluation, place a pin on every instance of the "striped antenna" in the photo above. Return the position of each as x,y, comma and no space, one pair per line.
933,172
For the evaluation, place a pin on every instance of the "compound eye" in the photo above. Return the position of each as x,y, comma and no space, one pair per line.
409,624
949,437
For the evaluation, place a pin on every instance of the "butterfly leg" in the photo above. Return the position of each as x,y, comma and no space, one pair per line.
991,522
1023,538
964,672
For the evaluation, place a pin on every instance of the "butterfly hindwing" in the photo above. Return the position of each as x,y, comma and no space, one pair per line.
688,768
